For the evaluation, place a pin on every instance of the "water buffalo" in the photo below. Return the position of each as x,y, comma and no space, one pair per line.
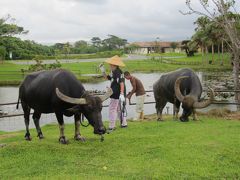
180,86
60,92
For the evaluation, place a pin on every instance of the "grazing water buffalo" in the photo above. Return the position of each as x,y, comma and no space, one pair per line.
59,91
180,86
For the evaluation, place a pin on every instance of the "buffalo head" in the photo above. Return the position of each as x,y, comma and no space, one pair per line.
90,106
190,102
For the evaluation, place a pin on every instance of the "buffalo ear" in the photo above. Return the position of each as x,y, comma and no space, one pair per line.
74,109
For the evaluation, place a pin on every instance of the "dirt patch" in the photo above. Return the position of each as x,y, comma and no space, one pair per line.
4,136
219,113
222,113
2,145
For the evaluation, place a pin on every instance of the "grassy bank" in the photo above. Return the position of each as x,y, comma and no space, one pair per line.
207,149
11,73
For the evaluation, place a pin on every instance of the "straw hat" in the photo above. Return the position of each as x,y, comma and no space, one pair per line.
115,60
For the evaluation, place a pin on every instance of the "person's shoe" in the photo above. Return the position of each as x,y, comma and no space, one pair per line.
110,130
124,126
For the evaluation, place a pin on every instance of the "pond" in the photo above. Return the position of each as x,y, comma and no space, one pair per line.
10,94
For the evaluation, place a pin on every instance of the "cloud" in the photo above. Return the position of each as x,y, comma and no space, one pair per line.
70,20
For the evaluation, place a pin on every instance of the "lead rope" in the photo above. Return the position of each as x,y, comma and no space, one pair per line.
82,116
82,120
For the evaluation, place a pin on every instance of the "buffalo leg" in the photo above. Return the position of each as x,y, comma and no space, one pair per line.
62,138
194,115
77,135
160,104
36,116
26,110
176,106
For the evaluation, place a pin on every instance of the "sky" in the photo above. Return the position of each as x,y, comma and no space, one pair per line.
51,21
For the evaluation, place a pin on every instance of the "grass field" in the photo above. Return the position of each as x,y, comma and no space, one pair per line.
11,73
196,58
206,149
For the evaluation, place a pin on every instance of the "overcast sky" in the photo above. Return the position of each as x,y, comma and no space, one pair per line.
51,21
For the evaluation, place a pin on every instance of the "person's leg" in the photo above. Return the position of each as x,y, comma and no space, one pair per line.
113,112
139,107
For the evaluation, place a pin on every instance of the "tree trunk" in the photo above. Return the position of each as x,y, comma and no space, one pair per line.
222,54
206,54
219,53
212,53
236,77
202,49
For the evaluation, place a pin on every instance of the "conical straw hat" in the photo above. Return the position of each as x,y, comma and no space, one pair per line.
115,60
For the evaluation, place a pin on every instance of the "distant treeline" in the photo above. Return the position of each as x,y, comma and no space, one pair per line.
15,48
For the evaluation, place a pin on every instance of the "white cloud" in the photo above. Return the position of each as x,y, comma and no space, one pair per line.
71,20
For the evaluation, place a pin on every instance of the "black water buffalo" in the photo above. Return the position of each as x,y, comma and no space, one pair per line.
180,86
60,92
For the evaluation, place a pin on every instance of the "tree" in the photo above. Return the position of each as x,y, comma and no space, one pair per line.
80,44
188,49
113,42
131,48
66,49
96,42
230,22
2,53
10,29
174,45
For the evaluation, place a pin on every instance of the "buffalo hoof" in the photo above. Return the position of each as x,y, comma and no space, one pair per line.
79,138
27,137
160,120
183,120
40,136
63,140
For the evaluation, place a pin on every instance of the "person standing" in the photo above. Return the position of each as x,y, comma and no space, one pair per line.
137,87
117,99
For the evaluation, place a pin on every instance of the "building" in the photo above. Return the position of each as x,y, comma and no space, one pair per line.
156,47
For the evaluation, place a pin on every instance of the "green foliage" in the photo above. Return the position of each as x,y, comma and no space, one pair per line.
24,49
131,48
188,48
174,45
2,52
113,42
7,29
40,66
96,42
206,149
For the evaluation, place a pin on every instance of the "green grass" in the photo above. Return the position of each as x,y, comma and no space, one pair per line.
10,74
169,54
207,149
196,58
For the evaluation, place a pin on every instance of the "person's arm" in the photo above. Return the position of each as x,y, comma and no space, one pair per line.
102,69
134,87
121,88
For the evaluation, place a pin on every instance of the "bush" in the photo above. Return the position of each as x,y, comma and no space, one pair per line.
39,66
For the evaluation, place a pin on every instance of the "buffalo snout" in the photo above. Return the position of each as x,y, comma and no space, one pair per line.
184,119
101,130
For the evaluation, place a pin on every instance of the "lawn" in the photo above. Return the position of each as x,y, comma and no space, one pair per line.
181,57
206,149
11,73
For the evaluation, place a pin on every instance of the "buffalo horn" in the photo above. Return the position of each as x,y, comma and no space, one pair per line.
205,103
178,93
70,99
106,95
